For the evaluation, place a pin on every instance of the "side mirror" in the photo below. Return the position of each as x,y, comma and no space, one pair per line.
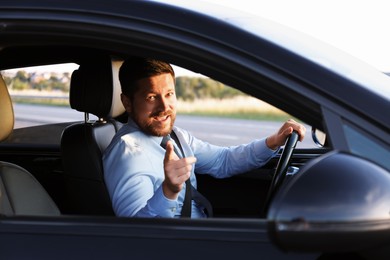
318,137
336,203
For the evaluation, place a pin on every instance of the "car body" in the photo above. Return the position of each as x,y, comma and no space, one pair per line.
337,204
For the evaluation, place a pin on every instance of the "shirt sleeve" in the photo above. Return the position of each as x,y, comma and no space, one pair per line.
132,183
222,162
159,206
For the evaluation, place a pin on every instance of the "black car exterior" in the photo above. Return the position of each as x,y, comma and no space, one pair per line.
350,107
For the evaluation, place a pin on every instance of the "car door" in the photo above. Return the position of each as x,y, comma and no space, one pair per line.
114,238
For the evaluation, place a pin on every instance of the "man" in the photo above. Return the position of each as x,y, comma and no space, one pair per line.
147,179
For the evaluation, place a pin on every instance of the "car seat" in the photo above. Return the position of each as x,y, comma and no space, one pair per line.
20,192
94,89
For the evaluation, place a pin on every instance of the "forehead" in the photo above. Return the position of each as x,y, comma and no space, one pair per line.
156,84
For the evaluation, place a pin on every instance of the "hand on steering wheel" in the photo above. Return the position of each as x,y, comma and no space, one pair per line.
281,168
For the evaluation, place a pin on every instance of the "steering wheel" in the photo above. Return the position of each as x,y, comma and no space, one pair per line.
281,168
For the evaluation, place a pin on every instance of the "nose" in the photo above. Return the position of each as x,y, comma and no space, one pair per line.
164,104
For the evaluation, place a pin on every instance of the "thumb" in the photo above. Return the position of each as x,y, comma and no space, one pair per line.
169,152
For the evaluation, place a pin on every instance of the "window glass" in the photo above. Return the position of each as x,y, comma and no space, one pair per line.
40,98
40,94
222,115
210,110
361,144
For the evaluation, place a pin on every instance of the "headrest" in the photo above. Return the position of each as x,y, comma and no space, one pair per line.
94,88
6,111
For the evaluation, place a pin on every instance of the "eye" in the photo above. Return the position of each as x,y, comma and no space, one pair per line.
170,94
151,98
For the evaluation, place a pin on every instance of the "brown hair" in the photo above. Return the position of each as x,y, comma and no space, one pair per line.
136,68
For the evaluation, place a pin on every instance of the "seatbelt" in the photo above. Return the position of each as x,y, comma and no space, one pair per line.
195,194
191,192
186,209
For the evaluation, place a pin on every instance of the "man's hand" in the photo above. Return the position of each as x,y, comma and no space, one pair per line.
279,138
176,171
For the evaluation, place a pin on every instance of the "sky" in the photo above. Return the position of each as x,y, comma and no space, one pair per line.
358,27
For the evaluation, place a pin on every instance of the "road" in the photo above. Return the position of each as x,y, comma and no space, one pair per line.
219,131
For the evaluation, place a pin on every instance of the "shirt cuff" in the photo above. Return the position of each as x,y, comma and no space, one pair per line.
162,206
263,151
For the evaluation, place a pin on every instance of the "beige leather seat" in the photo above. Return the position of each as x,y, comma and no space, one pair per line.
20,192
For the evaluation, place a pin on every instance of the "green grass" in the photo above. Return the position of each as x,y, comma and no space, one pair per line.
268,116
239,107
42,101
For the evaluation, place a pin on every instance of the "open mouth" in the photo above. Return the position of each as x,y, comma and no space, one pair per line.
161,118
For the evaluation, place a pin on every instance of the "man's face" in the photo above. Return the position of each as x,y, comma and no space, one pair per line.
153,107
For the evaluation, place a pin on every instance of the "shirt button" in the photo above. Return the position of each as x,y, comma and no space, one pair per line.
173,209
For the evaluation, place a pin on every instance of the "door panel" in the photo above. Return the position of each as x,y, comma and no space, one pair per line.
116,238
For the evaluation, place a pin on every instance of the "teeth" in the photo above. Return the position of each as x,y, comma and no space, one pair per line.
162,118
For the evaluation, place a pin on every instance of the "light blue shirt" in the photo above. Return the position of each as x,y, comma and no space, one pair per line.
134,170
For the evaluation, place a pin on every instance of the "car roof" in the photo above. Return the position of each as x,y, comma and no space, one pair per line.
296,42
260,47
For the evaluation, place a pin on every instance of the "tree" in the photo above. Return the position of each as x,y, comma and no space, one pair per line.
189,88
18,84
22,76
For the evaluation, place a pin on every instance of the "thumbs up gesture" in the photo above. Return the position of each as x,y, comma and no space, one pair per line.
176,171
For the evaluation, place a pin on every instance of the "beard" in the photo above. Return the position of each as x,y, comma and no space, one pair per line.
151,126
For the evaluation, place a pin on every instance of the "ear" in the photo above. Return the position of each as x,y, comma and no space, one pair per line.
126,102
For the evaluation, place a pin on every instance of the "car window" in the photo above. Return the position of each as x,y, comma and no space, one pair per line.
43,86
210,110
362,144
40,98
222,115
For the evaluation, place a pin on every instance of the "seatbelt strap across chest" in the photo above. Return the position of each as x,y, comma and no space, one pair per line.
191,192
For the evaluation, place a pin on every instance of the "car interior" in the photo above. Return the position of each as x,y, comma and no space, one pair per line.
69,170
21,193
82,144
